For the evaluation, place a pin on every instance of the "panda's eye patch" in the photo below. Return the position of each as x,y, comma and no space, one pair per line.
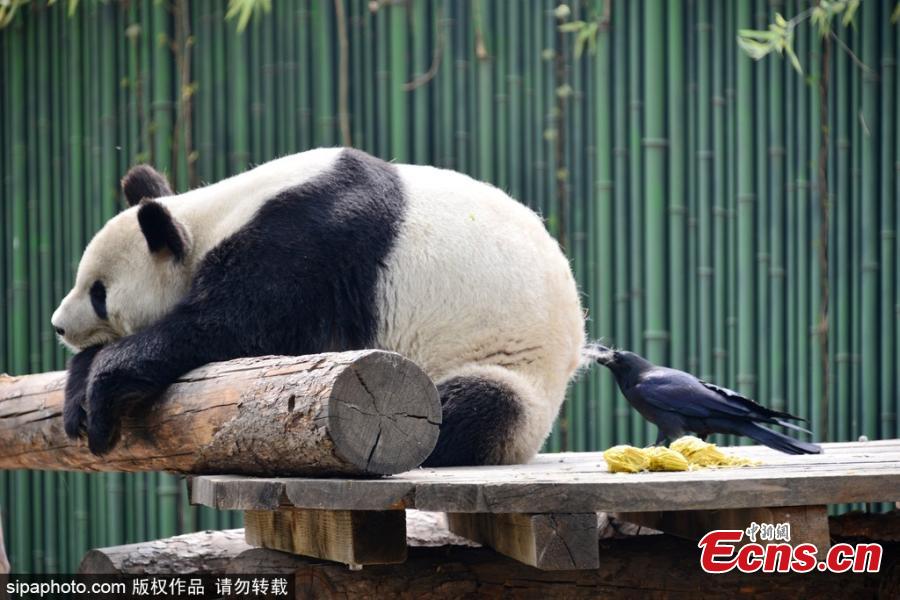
98,299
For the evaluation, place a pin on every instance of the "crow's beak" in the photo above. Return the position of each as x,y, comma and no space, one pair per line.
605,355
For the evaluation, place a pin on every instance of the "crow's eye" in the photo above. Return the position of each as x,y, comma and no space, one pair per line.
98,299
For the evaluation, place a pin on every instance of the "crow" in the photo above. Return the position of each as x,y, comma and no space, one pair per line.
677,403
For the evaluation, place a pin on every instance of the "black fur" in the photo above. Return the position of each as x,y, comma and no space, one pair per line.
299,278
143,181
479,417
76,390
98,299
162,232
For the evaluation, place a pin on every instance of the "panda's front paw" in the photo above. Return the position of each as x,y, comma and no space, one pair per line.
112,385
76,392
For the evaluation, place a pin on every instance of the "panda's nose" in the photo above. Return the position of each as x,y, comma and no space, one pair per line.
59,330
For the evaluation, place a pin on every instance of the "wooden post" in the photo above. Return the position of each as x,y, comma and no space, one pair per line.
352,537
354,413
550,542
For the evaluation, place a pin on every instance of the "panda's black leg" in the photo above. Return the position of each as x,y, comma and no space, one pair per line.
479,416
661,439
76,391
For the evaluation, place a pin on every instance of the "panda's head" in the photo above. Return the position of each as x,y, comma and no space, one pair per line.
132,272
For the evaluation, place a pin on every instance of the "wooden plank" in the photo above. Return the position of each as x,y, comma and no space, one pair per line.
350,537
550,542
580,483
809,524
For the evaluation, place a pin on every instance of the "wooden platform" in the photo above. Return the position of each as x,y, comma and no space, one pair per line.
541,510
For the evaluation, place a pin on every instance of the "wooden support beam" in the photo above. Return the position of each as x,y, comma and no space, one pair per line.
359,537
808,523
547,541
361,412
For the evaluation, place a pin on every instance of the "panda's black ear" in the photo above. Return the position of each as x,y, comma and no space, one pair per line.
161,230
143,181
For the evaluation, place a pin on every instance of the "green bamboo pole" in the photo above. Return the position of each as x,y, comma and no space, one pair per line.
842,222
515,97
305,133
255,85
777,296
888,348
817,390
577,153
604,234
856,198
895,199
623,304
692,277
655,154
420,64
869,202
236,73
731,207
45,342
553,205
746,199
705,179
20,546
399,107
719,192
221,90
789,241
640,428
797,402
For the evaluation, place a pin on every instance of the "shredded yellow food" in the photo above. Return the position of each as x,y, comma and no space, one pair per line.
626,459
685,453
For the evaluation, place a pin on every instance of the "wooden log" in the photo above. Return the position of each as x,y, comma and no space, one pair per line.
651,566
879,527
808,523
550,542
200,552
351,413
212,551
358,537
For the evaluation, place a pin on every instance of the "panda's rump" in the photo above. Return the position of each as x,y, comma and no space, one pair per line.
475,279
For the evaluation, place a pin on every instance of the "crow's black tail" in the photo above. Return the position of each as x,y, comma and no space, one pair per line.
778,441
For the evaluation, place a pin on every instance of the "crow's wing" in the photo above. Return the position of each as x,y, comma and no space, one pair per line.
676,391
750,403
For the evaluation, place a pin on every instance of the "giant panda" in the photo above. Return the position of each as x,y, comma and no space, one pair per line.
330,250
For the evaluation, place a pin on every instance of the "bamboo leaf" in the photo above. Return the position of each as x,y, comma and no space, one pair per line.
852,7
756,34
754,49
895,16
572,26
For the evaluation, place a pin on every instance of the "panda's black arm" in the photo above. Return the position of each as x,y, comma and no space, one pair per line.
79,369
137,368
